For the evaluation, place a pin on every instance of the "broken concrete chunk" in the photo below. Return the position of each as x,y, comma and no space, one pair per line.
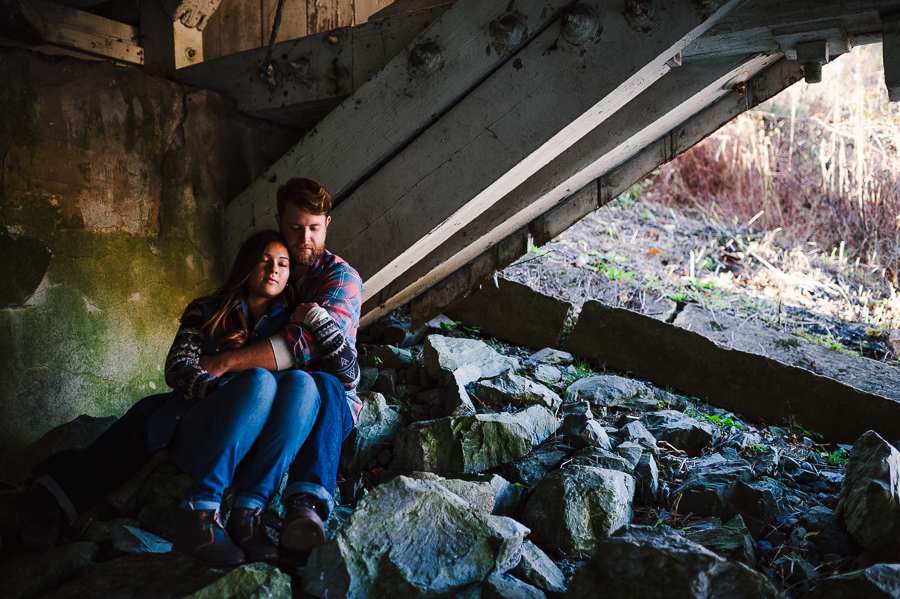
32,574
870,498
551,357
601,458
376,426
510,389
129,539
644,561
546,373
531,469
540,421
461,444
578,506
539,571
500,586
412,538
647,475
881,581
593,435
732,541
605,390
707,491
631,452
478,494
470,359
679,431
636,432
458,402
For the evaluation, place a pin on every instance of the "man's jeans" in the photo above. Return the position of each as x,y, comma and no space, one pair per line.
122,450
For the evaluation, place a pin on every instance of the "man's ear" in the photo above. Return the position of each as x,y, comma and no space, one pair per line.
327,221
278,220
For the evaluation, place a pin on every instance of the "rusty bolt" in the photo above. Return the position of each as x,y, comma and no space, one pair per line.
191,53
639,13
579,24
332,39
508,31
811,56
424,59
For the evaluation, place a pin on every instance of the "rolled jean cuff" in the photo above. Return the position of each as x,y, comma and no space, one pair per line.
64,502
312,489
200,504
246,502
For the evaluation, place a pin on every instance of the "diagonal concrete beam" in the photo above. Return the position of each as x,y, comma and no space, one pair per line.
501,254
668,102
524,116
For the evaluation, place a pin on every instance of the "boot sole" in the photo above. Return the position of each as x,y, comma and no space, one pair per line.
302,536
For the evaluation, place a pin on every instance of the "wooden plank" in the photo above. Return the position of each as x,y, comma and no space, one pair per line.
325,15
390,9
363,9
81,30
315,73
891,53
389,109
670,101
168,45
455,286
234,27
480,151
193,14
293,21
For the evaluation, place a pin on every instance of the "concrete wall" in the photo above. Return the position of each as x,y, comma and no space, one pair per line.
111,199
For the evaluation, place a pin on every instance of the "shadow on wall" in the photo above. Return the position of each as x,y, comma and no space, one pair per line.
111,201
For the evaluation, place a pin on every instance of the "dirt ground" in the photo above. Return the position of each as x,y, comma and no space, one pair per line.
631,253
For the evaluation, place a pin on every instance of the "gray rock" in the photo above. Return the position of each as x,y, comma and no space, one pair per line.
636,432
757,502
99,532
367,377
550,356
499,586
870,498
531,469
171,576
829,536
517,391
384,356
412,538
338,518
538,570
458,402
642,403
707,491
573,423
31,574
167,485
605,390
59,442
732,541
576,507
478,494
578,408
881,581
647,475
593,435
601,458
539,420
678,430
461,444
376,427
631,452
506,494
129,539
386,382
765,461
648,562
546,373
470,359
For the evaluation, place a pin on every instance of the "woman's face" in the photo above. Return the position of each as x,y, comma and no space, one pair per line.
271,274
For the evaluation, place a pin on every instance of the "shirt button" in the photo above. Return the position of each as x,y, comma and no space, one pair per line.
178,418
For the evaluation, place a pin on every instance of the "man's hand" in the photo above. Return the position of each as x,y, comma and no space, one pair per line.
301,311
215,365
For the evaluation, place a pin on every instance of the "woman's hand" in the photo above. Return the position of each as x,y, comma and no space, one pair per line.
214,365
302,310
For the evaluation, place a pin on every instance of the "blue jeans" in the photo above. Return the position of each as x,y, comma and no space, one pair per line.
272,415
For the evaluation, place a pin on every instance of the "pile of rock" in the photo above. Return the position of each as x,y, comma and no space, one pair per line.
475,472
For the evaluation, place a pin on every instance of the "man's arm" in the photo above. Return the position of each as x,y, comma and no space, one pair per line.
258,355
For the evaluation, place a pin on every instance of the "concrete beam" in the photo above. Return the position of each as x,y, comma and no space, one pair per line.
455,286
506,130
313,74
668,102
83,31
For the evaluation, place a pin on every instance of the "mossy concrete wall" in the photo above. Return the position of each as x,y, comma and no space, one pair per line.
111,201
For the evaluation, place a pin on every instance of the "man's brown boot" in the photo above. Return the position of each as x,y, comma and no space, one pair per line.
36,513
245,529
302,530
200,534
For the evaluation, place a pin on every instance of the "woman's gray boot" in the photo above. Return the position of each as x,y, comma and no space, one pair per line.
200,534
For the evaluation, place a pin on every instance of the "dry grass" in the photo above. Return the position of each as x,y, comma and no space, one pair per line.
818,163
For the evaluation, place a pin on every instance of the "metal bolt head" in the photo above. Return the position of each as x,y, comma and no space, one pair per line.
424,59
191,53
508,32
640,13
580,23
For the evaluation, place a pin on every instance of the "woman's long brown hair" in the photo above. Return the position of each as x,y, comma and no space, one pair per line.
229,323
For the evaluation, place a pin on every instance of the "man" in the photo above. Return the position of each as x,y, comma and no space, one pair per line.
321,283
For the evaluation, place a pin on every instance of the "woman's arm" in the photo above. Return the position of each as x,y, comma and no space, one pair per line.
337,358
183,371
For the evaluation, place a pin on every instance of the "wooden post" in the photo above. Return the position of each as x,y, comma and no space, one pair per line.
168,44
891,51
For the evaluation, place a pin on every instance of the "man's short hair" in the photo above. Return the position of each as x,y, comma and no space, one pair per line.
308,195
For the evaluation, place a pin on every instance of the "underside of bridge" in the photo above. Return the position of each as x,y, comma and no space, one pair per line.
453,134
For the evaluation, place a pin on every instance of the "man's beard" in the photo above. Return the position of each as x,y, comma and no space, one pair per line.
301,258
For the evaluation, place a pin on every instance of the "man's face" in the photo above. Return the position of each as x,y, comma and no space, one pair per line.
304,233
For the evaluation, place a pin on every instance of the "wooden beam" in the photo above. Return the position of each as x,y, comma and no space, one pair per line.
71,28
393,106
313,74
670,101
501,134
891,53
550,224
399,7
193,14
168,45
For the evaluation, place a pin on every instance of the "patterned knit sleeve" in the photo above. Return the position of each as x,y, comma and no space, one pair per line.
183,372
337,357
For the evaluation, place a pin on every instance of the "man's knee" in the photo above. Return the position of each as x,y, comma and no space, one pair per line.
299,386
257,378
